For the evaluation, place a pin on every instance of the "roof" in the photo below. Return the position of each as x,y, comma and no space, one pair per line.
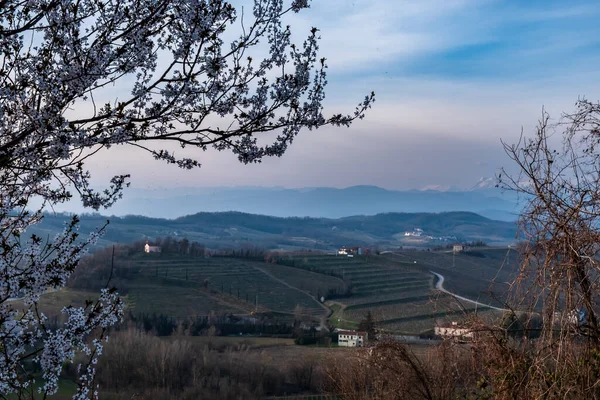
352,333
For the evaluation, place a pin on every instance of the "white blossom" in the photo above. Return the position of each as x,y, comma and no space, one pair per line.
54,56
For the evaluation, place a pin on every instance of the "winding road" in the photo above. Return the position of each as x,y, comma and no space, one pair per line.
439,287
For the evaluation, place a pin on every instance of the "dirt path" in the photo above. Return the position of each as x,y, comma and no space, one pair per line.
270,275
439,287
339,312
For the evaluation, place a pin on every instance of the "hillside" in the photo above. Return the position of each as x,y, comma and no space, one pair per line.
398,288
235,229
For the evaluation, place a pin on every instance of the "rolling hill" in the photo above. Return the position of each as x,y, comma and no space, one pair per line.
320,202
235,229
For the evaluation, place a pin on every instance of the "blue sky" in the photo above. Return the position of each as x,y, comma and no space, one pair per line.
452,78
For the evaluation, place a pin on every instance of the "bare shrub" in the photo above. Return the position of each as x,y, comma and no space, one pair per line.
391,370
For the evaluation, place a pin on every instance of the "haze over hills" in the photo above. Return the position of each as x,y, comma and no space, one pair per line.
322,202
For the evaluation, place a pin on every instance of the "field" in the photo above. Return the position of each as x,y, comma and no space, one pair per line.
237,342
245,285
398,289
475,274
396,293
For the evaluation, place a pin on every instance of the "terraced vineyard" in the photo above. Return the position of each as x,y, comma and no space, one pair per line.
392,292
471,274
397,291
241,280
367,277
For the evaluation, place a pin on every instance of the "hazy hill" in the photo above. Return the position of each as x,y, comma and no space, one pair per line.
228,229
315,202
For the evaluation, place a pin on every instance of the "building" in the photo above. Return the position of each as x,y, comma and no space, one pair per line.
352,338
151,249
457,248
417,232
453,330
350,251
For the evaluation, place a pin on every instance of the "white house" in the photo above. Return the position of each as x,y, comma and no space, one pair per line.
355,250
352,338
453,330
151,249
457,248
418,232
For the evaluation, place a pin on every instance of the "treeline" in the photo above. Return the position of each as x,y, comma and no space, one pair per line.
214,325
137,364
112,265
467,245
173,246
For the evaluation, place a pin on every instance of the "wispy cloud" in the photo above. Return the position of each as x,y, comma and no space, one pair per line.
452,78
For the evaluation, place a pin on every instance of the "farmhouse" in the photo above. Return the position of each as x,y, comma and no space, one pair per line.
347,251
453,330
457,248
352,338
417,232
151,249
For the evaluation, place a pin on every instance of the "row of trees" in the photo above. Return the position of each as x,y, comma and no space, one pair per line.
138,364
213,325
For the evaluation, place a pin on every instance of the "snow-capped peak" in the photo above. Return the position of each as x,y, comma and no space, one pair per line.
484,183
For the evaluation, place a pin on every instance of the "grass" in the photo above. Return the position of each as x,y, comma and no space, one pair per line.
51,303
251,342
66,389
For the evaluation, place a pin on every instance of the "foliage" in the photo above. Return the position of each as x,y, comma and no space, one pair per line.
560,256
179,83
367,324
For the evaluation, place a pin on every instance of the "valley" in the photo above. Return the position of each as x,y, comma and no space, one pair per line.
398,288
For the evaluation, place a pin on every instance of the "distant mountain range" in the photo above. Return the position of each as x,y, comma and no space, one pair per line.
323,202
235,229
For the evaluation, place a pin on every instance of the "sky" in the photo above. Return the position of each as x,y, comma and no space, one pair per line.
452,79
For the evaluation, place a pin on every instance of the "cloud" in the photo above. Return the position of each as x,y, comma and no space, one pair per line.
452,78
